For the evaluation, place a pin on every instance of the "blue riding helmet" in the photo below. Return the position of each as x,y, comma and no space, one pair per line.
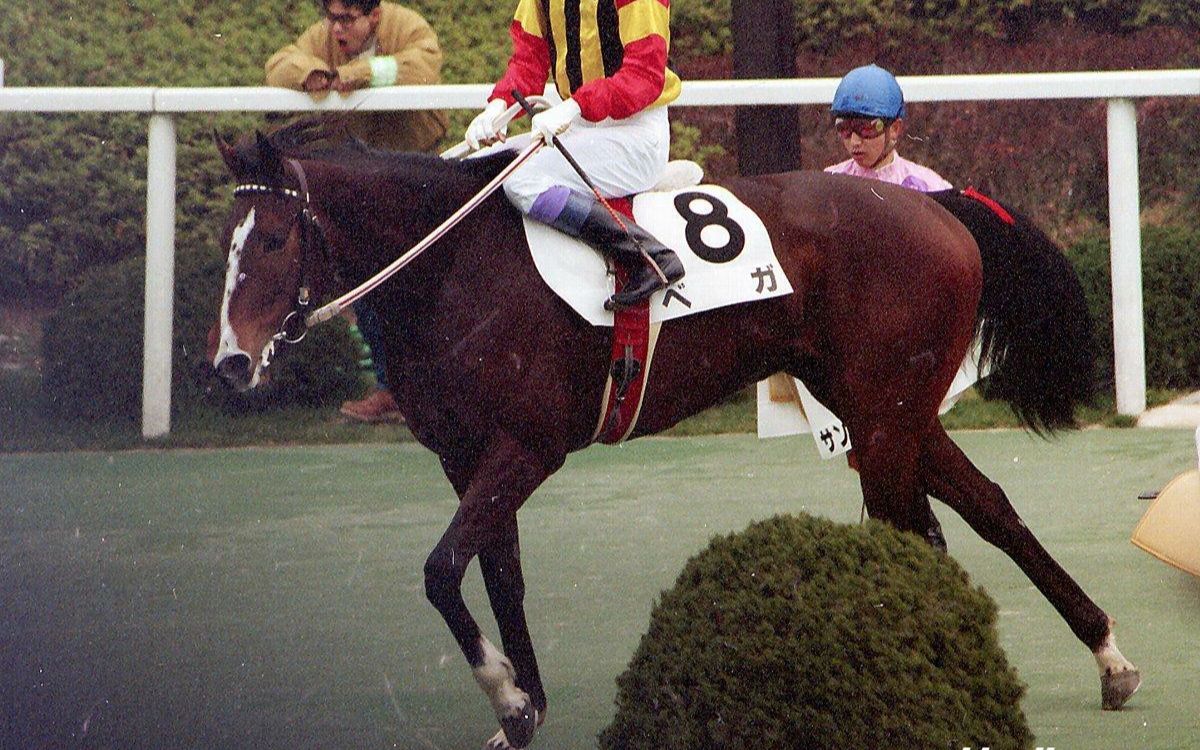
869,91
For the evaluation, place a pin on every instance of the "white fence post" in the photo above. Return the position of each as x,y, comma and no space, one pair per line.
160,276
1125,255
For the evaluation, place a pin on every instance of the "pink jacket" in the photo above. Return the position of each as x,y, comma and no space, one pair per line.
900,172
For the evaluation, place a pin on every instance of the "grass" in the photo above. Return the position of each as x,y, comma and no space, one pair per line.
25,425
274,598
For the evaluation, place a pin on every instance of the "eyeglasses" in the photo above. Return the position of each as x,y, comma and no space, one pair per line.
345,20
864,127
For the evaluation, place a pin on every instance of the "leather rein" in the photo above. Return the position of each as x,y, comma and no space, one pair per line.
297,322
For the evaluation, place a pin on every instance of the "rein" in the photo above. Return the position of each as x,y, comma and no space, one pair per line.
297,322
335,307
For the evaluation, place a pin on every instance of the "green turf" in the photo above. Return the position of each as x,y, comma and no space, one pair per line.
274,598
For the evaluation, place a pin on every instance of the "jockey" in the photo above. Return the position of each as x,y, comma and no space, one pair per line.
868,112
609,63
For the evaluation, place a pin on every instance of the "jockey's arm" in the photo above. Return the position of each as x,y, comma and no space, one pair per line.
292,65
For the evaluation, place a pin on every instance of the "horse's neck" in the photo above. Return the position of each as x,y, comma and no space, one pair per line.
361,222
462,268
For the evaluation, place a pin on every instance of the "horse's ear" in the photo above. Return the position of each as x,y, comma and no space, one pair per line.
270,160
228,153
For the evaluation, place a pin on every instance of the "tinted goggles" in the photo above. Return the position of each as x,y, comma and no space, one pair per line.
864,127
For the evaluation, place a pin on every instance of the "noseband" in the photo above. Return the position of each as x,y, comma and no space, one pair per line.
293,328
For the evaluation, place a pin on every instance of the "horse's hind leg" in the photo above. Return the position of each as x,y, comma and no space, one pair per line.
885,455
950,476
485,525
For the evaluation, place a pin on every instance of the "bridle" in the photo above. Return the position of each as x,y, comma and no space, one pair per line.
309,224
293,328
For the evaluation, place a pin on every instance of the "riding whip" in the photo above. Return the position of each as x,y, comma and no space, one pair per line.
595,192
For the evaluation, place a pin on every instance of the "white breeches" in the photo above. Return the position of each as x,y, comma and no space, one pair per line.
621,157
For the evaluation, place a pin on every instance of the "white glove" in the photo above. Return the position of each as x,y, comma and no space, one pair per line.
556,120
482,130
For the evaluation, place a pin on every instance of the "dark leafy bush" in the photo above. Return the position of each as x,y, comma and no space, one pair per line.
92,348
1171,301
72,186
799,632
823,26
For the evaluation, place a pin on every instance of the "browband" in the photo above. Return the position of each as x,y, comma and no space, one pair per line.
249,188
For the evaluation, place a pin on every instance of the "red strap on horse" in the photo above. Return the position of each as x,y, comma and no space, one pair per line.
630,365
997,209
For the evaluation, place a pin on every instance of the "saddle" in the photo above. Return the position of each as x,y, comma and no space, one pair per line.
723,245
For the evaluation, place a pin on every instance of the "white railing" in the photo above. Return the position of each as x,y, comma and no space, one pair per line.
163,104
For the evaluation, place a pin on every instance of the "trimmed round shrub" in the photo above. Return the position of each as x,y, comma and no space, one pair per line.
93,347
802,633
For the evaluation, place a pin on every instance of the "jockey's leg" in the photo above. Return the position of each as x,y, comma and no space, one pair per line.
620,158
654,266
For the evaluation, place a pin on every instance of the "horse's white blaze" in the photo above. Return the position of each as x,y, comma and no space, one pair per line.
1109,658
498,679
229,342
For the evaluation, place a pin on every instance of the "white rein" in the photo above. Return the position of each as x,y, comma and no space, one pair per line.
334,308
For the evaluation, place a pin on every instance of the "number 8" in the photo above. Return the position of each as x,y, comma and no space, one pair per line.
717,216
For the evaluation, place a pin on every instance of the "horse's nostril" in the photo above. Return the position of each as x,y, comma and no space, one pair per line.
235,371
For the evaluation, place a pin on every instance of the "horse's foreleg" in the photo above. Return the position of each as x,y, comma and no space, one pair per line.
501,566
950,476
933,528
484,523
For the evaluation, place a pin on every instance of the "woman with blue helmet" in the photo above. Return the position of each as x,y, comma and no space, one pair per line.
868,112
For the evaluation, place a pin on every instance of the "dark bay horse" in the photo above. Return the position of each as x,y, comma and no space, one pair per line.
501,379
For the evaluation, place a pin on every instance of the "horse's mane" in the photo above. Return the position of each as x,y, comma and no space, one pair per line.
326,139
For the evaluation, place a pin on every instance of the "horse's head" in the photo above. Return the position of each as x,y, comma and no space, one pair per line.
276,264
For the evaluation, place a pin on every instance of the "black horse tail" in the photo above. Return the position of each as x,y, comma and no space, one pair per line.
1033,320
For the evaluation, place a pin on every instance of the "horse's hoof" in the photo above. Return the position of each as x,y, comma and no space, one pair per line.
1118,687
519,726
497,742
517,730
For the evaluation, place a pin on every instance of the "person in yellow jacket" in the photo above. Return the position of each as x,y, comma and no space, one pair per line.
364,43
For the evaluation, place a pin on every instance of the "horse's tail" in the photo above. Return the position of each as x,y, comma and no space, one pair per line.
1033,320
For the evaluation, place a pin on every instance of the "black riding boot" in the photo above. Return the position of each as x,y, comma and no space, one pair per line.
585,217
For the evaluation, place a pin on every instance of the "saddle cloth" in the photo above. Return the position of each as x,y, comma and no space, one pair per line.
724,247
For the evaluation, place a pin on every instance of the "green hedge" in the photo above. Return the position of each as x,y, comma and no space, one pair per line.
92,349
1171,300
72,187
802,633
824,25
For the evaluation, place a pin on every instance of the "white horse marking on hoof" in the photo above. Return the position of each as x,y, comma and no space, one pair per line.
498,742
1109,658
498,679
1119,679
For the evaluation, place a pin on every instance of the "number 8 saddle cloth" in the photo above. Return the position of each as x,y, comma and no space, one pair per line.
724,247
